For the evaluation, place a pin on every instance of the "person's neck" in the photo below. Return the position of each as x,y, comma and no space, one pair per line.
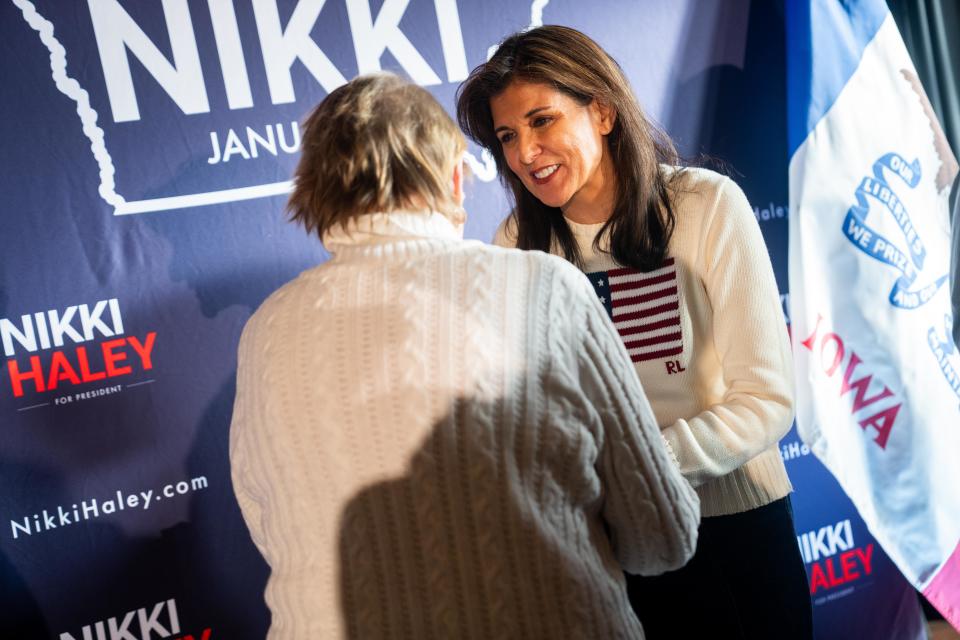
589,213
594,202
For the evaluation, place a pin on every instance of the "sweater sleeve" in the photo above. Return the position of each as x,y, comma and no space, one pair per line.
242,441
652,513
751,343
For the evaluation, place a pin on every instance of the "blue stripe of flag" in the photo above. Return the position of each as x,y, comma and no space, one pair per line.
825,41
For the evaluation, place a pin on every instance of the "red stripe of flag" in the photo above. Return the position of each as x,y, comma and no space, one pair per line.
669,337
647,297
653,326
646,313
627,271
655,355
648,282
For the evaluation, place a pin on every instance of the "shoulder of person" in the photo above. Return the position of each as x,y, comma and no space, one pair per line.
278,302
697,181
535,259
543,266
703,193
572,287
506,233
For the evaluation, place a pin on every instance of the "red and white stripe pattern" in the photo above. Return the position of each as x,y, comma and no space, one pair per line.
645,309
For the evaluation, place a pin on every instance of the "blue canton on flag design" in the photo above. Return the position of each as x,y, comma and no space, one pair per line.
644,307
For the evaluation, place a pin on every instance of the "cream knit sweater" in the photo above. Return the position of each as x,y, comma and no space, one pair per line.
435,438
708,340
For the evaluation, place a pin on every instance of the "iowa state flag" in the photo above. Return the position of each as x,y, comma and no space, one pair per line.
878,376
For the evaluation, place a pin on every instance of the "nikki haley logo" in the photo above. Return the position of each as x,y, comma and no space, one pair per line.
160,620
231,79
42,357
645,309
832,557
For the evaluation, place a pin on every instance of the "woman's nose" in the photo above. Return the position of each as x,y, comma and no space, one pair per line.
528,147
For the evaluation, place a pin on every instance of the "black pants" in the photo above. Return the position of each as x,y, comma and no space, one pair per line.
746,580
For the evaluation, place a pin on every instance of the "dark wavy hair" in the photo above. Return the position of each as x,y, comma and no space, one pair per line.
643,156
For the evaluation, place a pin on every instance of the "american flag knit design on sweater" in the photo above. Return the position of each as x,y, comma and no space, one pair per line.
644,307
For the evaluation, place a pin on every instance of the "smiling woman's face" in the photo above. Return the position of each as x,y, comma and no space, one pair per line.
557,147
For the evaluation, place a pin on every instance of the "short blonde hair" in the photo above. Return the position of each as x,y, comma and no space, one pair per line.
377,143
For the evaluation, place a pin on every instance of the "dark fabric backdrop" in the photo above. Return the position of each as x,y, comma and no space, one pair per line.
931,31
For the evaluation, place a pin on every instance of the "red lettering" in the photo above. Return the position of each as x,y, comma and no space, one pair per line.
860,399
56,375
831,575
144,350
866,558
838,356
817,579
17,378
848,564
205,636
808,343
110,359
85,372
883,423
115,361
670,368
823,574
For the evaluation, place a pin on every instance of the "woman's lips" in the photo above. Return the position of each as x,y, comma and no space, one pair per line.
545,174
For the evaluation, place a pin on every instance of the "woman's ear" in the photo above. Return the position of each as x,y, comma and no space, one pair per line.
606,116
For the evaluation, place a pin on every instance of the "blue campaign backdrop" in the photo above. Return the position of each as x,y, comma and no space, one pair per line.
148,146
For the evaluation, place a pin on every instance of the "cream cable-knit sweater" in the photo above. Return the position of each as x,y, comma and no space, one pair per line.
708,340
435,438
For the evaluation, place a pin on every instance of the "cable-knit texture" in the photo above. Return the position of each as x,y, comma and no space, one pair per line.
725,400
435,438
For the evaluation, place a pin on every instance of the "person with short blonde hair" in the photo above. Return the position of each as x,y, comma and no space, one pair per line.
433,437
392,147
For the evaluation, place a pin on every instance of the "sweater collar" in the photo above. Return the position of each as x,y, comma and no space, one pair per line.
375,233
582,229
585,234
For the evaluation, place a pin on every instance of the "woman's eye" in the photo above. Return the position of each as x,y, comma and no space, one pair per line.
506,137
539,121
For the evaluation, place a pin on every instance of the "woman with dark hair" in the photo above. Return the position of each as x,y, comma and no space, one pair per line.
677,258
